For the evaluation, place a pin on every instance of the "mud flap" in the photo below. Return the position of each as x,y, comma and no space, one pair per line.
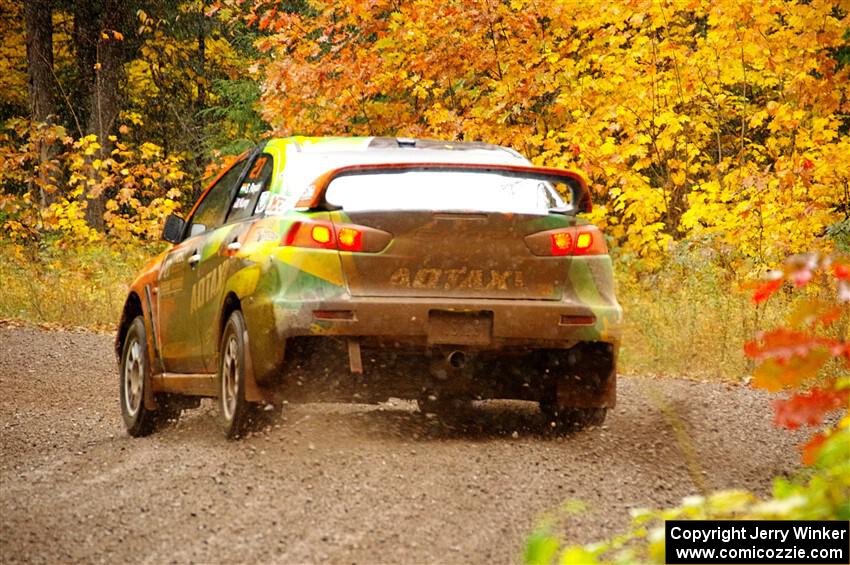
355,360
574,393
149,400
591,379
253,391
153,352
147,387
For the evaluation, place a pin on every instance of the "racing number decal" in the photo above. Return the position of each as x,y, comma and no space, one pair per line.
257,168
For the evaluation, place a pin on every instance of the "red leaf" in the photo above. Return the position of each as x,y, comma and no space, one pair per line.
764,291
808,409
812,447
841,271
752,349
830,316
782,345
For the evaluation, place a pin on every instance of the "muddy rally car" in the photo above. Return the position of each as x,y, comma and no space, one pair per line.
359,269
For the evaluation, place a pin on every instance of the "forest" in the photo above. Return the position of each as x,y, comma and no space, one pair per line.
721,126
715,135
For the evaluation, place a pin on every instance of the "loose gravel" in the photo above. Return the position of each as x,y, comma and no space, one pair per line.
344,483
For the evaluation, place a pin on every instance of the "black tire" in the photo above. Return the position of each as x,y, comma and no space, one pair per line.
573,419
235,413
134,374
442,406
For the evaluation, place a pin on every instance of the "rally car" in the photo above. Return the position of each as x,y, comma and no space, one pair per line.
359,269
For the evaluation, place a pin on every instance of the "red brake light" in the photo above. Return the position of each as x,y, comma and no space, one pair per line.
323,235
562,243
310,234
349,239
576,240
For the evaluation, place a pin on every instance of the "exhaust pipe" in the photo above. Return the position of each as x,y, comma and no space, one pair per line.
456,359
444,367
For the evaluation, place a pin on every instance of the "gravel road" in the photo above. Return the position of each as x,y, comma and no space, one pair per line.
343,483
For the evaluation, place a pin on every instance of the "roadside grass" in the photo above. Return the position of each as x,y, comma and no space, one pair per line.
68,287
690,322
686,319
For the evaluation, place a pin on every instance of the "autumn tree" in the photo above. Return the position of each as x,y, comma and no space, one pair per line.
169,77
41,83
715,120
190,84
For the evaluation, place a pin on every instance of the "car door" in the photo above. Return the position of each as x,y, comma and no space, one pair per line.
219,256
181,293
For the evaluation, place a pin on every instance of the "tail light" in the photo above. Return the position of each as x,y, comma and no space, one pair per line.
326,235
349,239
562,243
321,235
579,240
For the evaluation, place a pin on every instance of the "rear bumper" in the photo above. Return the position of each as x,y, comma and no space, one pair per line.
515,327
410,321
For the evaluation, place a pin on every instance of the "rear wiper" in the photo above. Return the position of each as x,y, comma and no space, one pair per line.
564,210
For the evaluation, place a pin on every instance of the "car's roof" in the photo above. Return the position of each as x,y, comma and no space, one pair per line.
393,150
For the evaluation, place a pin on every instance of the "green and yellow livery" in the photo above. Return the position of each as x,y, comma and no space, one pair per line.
335,269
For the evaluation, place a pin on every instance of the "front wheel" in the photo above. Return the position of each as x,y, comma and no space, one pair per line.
135,376
236,413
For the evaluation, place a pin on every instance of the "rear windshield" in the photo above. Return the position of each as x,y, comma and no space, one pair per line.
447,190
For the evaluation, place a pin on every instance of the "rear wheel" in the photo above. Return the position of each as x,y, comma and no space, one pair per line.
441,405
569,419
236,413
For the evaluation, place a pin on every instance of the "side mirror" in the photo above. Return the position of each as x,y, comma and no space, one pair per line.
173,230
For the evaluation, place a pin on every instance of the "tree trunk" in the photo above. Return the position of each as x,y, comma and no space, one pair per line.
39,26
105,93
200,103
85,35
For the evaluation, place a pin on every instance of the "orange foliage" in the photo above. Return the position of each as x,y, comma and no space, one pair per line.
712,119
802,357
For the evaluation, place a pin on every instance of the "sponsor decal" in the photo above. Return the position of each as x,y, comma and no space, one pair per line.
308,192
457,279
262,203
208,287
280,204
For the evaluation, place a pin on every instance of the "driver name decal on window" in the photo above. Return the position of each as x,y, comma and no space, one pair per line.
250,194
241,203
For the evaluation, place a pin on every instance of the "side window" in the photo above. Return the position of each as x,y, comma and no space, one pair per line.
252,196
213,208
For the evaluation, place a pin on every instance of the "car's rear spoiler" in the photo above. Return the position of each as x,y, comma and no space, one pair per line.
314,196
